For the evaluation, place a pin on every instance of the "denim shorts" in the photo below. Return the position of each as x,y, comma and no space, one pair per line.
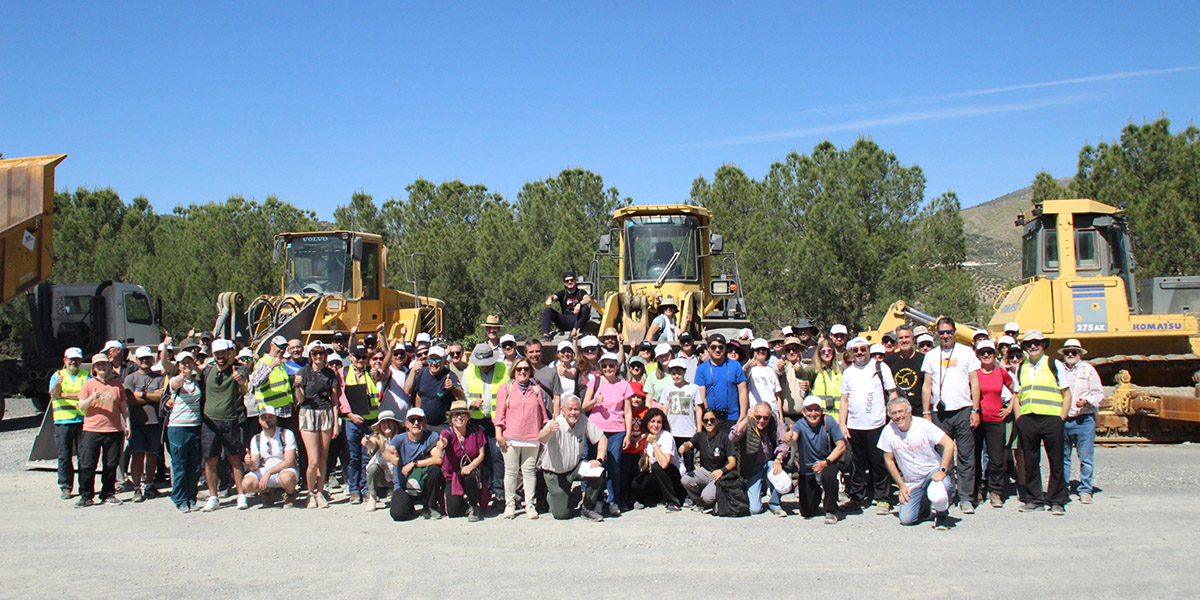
145,438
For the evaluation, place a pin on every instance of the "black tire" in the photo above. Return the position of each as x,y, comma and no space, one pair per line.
40,402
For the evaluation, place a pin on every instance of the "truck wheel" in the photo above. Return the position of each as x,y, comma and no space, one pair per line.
40,403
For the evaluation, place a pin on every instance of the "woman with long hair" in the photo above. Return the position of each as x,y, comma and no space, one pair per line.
317,389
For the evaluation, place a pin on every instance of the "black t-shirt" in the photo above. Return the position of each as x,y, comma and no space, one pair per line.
435,398
807,354
909,378
318,387
715,451
568,300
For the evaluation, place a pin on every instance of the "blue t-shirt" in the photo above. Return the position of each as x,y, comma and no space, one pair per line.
720,386
292,367
815,444
408,451
435,398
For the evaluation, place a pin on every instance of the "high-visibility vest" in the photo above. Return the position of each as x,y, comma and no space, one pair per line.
67,409
1039,391
352,378
277,389
827,385
475,384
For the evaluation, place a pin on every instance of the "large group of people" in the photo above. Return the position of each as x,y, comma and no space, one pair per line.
914,425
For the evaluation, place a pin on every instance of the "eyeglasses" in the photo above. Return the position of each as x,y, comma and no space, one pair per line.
986,353
945,332
824,351
717,346
925,345
710,421
1070,353
860,350
758,418
459,415
522,370
608,366
416,419
455,354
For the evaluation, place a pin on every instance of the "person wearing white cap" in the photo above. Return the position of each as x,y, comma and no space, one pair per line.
423,339
224,386
663,327
68,420
924,343
608,404
1012,329
118,356
416,458
979,336
587,361
658,377
508,350
272,460
762,379
995,387
433,388
183,432
1043,402
1080,426
105,426
144,390
951,397
564,368
867,384
575,309
909,446
840,336
820,445
681,402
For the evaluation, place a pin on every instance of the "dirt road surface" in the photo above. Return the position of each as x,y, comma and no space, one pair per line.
1139,539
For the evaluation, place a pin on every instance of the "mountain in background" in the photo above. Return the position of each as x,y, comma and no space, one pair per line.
994,243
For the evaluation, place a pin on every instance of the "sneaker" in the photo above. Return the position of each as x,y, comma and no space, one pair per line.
1085,498
687,503
356,498
966,507
123,487
211,504
673,508
112,501
1057,510
831,518
312,501
777,511
510,512
242,503
430,514
322,501
184,509
372,503
883,508
139,496
1030,507
473,515
591,515
65,493
531,513
940,524
638,506
613,509
997,501
84,502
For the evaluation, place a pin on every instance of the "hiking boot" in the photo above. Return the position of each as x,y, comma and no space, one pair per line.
371,502
1085,498
84,502
1030,507
940,523
1057,510
289,500
831,518
883,508
139,496
777,511
591,515
211,504
966,507
112,501
356,498
473,515
997,501
65,494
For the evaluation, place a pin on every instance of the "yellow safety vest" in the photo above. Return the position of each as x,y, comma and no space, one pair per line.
372,391
67,409
827,385
1039,391
475,385
277,389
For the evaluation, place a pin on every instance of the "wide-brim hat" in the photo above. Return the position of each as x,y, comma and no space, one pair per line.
483,355
1072,344
667,301
492,321
459,406
776,336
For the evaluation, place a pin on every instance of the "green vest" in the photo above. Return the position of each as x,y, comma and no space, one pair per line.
66,410
475,384
827,385
352,378
277,389
1039,391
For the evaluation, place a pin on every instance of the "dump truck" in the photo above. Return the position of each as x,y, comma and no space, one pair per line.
666,252
332,281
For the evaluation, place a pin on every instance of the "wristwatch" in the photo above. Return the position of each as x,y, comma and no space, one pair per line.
943,469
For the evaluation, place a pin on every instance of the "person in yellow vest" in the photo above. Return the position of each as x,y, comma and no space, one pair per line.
68,420
358,415
482,381
1042,402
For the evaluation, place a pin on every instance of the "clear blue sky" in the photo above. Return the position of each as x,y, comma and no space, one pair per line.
193,104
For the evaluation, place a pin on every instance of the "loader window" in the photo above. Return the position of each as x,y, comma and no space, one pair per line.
370,272
651,242
1085,250
316,264
137,309
1050,247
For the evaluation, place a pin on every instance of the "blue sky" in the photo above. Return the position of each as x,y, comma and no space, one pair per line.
187,103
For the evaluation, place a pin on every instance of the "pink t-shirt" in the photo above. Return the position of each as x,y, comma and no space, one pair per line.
104,415
609,412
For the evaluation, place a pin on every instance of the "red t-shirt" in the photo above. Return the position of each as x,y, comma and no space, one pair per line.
990,386
637,439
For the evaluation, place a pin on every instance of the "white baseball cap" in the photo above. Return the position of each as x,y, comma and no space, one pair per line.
437,351
565,345
759,343
878,349
677,363
245,353
268,410
110,344
745,332
662,349
858,341
1006,340
415,411
589,341
979,332
143,352
506,338
1033,335
839,328
610,356
73,352
423,338
165,346
924,337
307,350
985,344
182,355
99,358
280,341
812,400
1011,326
334,357
221,344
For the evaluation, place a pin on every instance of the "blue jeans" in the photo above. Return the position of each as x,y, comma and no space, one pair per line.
917,508
186,462
356,472
1080,433
66,440
754,488
612,465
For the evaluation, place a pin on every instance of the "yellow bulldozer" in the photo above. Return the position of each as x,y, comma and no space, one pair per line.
667,254
332,281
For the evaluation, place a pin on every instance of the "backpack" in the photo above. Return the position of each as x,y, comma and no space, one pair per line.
732,499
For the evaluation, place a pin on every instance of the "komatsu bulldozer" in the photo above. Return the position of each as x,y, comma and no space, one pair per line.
667,253
332,281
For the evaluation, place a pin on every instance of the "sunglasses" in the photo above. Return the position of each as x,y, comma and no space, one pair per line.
945,332
637,365
416,419
717,346
986,353
823,351
758,418
508,345
522,370
435,361
710,420
460,415
685,342
1070,353
572,280
608,366
860,350
455,354
925,345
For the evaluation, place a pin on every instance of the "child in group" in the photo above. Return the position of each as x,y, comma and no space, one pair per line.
681,402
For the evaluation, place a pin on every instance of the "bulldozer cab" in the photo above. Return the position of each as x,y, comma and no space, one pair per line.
665,247
1077,238
338,263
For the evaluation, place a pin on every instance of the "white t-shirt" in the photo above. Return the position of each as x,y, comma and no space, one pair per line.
666,442
764,384
949,375
272,449
395,390
866,404
914,450
680,404
567,385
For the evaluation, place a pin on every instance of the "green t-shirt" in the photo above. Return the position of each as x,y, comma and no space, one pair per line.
222,395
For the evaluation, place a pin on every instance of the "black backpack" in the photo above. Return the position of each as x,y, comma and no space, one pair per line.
732,499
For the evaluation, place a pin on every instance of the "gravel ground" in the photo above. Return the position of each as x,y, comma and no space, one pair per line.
1137,540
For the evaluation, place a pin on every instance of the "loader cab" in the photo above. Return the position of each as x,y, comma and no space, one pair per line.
662,246
340,263
1077,238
